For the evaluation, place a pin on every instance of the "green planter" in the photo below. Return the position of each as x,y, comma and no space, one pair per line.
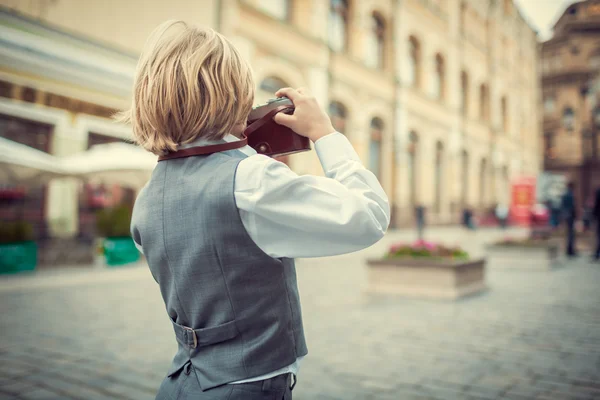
17,257
120,251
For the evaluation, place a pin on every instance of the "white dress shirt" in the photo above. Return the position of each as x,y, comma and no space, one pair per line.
292,216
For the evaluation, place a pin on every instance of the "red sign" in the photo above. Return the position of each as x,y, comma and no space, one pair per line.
523,200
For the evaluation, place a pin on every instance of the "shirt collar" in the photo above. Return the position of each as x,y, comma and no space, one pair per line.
247,150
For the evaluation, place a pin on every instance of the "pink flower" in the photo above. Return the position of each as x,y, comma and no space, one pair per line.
430,246
395,247
419,244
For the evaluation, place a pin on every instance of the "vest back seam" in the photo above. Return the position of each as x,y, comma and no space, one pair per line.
165,246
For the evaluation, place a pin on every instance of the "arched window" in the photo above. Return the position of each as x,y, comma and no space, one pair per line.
483,102
414,62
594,62
338,114
375,43
482,181
439,168
271,84
338,24
505,185
438,81
413,153
277,8
375,147
465,178
569,118
464,98
549,145
504,112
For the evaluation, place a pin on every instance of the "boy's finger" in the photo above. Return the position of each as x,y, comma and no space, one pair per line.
290,93
284,119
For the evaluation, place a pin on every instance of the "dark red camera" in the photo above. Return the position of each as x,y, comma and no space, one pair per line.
268,137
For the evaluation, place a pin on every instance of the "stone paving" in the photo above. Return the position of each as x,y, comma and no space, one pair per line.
104,334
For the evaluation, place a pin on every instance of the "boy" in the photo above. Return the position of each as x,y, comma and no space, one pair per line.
220,231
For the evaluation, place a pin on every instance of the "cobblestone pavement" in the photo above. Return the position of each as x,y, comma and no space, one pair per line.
104,334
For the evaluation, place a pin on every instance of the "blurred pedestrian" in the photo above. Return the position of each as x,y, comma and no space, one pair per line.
469,219
502,214
569,211
596,215
587,217
554,206
420,217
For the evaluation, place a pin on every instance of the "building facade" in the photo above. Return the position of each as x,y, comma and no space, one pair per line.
439,97
570,64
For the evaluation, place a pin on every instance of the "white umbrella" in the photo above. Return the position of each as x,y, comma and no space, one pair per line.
113,163
24,165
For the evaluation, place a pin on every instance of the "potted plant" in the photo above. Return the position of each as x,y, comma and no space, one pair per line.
536,252
427,269
113,225
18,251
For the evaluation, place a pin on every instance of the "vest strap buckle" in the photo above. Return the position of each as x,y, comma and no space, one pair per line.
193,333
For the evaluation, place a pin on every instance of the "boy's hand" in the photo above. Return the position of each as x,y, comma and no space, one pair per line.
308,119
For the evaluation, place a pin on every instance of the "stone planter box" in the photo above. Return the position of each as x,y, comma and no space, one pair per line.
535,258
421,278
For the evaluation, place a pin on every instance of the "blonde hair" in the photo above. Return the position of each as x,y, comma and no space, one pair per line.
190,82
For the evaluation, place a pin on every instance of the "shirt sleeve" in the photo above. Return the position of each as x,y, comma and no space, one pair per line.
294,216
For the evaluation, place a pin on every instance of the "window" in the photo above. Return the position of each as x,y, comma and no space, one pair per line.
482,182
549,145
464,178
569,118
595,60
438,81
338,24
277,8
28,94
463,15
483,102
464,98
413,148
548,104
439,168
375,43
272,84
414,63
504,112
338,114
375,147
507,7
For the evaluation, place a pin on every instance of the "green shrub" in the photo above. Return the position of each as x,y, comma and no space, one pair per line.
16,232
113,222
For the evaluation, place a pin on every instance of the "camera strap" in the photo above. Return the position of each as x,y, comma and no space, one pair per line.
205,150
215,148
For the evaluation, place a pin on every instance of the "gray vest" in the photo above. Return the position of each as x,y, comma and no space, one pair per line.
235,310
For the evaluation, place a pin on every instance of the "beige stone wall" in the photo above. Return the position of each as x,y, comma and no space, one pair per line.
495,48
124,24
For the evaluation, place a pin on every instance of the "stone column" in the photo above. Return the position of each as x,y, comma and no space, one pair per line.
62,199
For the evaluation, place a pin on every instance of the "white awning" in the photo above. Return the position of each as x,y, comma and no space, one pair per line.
24,165
113,163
